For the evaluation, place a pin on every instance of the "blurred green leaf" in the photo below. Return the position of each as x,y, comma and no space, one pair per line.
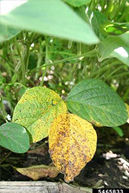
95,101
7,32
14,137
52,18
115,46
77,3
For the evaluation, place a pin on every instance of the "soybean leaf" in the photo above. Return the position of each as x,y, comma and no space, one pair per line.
72,144
39,171
51,17
7,32
115,46
77,3
14,137
37,109
95,101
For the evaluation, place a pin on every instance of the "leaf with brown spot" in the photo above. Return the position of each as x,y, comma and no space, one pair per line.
39,171
72,144
37,109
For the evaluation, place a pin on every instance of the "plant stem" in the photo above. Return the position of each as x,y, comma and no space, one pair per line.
5,158
46,62
91,53
40,56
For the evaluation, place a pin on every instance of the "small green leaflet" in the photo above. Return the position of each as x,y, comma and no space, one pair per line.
116,29
95,101
119,131
14,137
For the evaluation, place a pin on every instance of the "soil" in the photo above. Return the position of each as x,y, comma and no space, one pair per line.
109,168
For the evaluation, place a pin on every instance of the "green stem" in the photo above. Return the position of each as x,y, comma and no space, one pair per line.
121,74
103,68
40,57
46,62
126,95
25,62
113,72
1,161
91,53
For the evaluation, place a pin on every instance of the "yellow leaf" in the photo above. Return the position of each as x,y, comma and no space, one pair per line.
37,109
72,144
39,171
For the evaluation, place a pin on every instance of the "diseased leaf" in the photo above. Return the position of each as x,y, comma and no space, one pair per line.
39,171
95,101
14,137
37,109
72,144
77,3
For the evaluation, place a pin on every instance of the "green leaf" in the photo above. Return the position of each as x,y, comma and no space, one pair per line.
7,32
51,17
14,137
77,3
37,109
119,131
115,46
95,101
